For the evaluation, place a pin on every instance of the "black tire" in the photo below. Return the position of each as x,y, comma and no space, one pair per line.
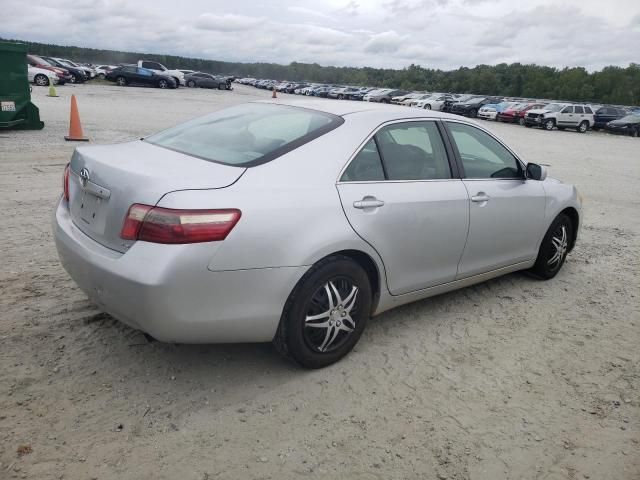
121,81
101,76
549,124
41,80
297,341
74,79
221,86
473,113
162,83
522,122
191,84
555,243
635,132
177,82
427,106
583,127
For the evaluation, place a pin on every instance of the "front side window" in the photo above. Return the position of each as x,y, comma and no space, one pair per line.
144,72
482,155
579,110
567,110
247,135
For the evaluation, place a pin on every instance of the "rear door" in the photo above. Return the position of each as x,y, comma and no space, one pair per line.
401,195
506,212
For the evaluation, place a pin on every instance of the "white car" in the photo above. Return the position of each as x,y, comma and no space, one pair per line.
488,112
102,70
434,102
177,75
90,72
41,77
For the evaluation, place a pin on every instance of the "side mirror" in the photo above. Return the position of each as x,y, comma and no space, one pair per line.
536,172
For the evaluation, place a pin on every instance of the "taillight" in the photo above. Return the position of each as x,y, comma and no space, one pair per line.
65,182
165,225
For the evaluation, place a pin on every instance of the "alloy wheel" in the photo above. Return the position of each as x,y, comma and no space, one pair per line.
560,244
42,80
330,315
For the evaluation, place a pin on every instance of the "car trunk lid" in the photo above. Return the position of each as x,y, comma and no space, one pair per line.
106,180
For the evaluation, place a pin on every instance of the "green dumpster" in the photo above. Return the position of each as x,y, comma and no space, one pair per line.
16,109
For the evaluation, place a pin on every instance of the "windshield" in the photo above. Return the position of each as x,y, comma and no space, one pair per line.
247,135
40,60
554,107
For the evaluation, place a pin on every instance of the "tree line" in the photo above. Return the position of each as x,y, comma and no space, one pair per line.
611,85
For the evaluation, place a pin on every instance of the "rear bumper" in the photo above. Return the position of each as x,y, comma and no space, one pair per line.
168,292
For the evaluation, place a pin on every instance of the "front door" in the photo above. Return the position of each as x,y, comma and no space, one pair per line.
506,212
400,196
567,117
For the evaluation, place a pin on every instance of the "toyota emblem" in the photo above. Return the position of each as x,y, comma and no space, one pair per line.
84,177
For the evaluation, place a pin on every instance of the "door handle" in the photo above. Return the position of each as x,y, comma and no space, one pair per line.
368,202
480,197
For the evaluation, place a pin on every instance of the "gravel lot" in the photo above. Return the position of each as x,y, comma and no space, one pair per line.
510,379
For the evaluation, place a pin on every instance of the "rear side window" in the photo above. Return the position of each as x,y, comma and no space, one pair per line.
366,166
588,110
401,151
247,135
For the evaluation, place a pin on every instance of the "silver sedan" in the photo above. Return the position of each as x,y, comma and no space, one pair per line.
294,222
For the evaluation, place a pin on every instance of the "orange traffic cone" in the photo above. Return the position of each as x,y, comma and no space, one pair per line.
274,93
75,128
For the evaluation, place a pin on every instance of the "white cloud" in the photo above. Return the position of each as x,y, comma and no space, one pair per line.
380,33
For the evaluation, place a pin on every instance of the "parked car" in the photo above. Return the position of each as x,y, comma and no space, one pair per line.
406,97
206,80
160,69
628,125
102,70
41,76
359,95
492,110
133,75
562,116
63,74
180,234
471,107
383,96
88,71
604,115
342,93
433,102
78,75
516,113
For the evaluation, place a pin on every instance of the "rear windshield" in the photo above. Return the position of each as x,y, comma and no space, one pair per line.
247,135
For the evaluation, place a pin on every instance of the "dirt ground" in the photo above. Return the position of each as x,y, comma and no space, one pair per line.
511,379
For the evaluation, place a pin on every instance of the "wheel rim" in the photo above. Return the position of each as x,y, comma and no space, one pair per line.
549,125
329,319
583,127
192,84
559,242
41,80
121,81
162,84
521,121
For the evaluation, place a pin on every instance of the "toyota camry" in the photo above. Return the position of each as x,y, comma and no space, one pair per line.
295,222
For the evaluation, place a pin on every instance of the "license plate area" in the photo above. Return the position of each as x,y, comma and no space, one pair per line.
90,211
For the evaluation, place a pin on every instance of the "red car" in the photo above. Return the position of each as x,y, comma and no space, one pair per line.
517,113
63,74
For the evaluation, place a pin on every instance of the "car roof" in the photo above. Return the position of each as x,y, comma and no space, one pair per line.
347,107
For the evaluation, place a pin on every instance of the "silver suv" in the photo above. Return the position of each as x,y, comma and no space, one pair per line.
561,115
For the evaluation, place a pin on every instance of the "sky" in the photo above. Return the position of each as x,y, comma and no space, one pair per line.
443,34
